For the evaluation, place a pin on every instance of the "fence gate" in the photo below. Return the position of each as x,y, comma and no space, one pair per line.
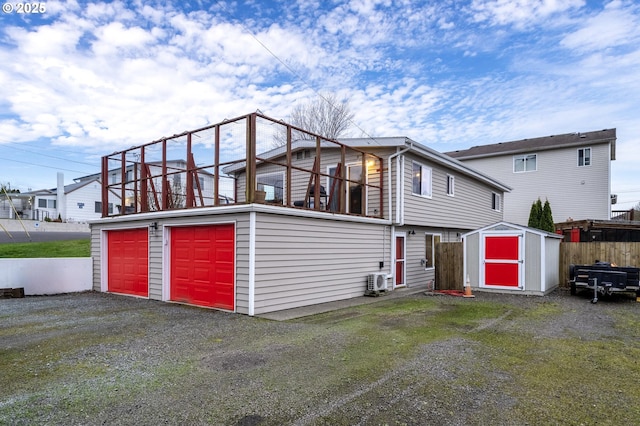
449,266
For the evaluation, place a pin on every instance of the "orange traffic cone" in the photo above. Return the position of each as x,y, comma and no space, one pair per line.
467,289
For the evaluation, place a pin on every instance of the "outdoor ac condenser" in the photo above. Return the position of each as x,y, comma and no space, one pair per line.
377,282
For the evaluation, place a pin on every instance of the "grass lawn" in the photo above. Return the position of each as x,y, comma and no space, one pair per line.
68,248
92,358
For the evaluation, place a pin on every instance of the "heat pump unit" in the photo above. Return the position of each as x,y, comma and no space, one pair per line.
377,282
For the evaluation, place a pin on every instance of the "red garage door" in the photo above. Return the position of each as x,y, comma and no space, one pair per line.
502,261
128,262
203,265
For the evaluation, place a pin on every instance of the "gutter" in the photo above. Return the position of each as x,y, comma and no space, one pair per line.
398,177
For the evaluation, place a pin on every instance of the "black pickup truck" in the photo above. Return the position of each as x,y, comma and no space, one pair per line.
604,278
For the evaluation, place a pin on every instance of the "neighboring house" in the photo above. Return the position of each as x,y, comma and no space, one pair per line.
174,178
79,202
13,205
572,171
310,222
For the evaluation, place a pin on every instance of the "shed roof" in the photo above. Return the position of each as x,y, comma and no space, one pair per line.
506,226
539,144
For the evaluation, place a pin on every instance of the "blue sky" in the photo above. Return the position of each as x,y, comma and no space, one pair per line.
82,80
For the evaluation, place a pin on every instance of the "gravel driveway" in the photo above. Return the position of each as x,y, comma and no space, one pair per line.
95,358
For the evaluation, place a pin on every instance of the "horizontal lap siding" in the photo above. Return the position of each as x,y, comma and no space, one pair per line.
533,262
95,255
416,273
572,191
155,263
156,244
469,208
304,261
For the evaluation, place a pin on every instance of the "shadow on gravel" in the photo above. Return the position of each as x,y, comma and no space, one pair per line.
95,358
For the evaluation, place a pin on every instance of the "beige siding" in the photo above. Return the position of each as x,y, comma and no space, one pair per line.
572,191
304,261
472,259
469,208
552,259
95,255
532,262
416,272
155,263
157,267
242,263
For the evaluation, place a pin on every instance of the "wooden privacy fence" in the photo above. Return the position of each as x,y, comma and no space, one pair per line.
622,254
449,266
450,262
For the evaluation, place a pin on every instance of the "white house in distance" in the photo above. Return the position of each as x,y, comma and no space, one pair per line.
572,171
310,222
78,202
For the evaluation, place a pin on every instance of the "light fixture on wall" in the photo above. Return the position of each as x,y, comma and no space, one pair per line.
153,227
412,232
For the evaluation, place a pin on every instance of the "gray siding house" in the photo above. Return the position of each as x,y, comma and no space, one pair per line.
572,171
309,222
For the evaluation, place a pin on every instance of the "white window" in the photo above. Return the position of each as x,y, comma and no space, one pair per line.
495,201
421,180
430,241
450,185
525,163
273,185
584,157
46,204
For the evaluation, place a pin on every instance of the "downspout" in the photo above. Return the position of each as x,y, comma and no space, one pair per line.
398,180
399,173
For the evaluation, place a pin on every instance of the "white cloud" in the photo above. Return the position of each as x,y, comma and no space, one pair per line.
520,13
617,25
105,76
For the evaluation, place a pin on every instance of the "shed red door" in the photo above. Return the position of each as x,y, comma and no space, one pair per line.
128,262
502,260
203,265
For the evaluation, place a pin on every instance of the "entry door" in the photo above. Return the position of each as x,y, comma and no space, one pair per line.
502,260
400,260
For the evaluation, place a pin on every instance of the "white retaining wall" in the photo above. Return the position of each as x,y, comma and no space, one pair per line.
14,225
47,275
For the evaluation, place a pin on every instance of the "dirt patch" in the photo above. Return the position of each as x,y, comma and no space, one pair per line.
94,358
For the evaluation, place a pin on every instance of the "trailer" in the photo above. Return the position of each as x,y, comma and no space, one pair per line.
605,279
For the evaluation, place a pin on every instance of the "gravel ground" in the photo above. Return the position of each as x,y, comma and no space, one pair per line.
94,358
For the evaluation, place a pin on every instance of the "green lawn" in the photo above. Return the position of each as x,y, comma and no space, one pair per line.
69,248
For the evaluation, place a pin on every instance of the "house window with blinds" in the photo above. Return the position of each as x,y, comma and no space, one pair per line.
421,180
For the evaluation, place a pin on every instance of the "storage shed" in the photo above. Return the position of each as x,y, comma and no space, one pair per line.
509,258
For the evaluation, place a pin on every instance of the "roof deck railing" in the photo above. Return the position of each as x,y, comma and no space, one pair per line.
248,159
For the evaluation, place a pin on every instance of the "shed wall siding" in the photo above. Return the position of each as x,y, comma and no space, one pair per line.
303,261
552,254
472,258
469,208
572,191
532,262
